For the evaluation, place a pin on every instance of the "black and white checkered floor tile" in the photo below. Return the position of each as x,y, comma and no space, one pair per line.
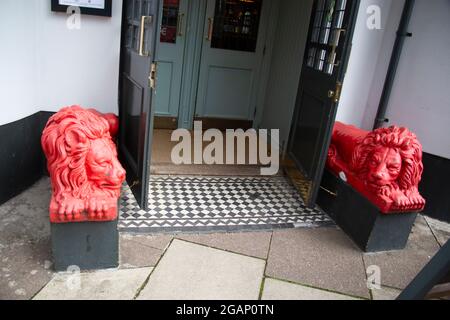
191,204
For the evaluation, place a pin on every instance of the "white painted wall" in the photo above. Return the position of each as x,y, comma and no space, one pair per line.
368,47
46,66
382,64
284,76
421,94
420,98
17,59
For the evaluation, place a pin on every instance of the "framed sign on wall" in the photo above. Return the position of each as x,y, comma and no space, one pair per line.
91,7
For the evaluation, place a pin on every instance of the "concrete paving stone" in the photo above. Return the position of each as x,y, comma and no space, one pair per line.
254,244
25,217
194,272
440,229
25,268
100,285
281,290
323,258
385,293
399,268
154,241
136,255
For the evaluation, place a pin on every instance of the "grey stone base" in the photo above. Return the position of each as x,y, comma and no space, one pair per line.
370,229
87,245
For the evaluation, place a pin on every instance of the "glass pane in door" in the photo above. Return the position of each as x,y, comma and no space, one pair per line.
326,35
236,24
169,23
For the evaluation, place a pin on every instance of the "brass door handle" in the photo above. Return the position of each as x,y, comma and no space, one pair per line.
180,24
334,46
142,52
210,29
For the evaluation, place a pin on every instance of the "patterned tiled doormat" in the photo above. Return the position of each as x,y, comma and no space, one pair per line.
209,204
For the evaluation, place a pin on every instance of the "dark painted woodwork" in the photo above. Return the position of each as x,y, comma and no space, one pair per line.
86,245
435,186
106,12
362,221
21,156
166,123
135,96
315,109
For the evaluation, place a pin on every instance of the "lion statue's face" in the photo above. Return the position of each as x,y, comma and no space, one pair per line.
102,167
384,167
82,161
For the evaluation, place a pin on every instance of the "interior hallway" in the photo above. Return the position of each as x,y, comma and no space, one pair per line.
161,163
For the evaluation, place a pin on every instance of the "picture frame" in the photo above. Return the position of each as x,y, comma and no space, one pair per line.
97,8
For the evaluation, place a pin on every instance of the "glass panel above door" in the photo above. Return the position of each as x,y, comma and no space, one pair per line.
169,23
236,24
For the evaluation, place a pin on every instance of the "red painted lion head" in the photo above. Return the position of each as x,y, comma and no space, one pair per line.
389,161
82,161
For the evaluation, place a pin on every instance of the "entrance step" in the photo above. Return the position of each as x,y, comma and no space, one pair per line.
209,204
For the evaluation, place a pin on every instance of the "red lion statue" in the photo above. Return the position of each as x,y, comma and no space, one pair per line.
82,161
384,165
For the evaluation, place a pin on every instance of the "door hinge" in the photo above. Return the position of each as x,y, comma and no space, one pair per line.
152,76
336,93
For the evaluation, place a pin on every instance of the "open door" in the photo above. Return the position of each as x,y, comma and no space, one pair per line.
137,81
232,52
326,56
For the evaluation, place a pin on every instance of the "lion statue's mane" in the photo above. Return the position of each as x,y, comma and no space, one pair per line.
352,148
66,141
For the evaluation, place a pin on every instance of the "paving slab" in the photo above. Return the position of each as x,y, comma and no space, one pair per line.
25,252
100,285
156,241
26,217
25,268
281,290
195,272
254,244
136,255
385,294
441,230
399,268
323,258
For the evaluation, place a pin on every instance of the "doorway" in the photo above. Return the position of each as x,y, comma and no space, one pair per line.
211,75
209,55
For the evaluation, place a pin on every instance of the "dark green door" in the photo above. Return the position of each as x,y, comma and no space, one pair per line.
324,65
136,91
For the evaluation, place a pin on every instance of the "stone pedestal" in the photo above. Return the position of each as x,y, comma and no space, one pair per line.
362,221
87,245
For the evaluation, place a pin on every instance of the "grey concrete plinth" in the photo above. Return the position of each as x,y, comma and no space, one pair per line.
86,245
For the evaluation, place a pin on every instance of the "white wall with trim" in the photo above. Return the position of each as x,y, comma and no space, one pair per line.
420,98
46,66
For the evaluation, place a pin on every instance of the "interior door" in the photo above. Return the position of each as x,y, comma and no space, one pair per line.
170,54
324,66
232,51
136,89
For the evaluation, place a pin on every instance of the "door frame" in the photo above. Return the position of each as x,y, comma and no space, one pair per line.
347,47
192,62
148,137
